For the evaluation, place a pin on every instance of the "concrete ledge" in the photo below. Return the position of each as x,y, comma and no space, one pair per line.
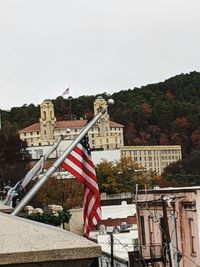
6,209
25,241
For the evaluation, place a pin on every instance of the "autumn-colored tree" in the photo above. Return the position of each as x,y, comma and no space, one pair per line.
181,124
64,192
139,141
106,178
164,139
185,171
126,172
146,108
122,176
130,132
196,139
169,93
154,134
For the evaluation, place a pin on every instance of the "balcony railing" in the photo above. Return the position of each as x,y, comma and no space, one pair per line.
104,196
149,253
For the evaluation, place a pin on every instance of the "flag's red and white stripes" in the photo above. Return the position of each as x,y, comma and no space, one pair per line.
80,165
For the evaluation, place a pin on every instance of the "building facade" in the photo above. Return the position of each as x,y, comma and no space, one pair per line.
168,227
154,158
104,135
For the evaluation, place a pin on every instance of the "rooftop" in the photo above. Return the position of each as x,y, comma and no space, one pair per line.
65,124
24,241
157,147
118,211
169,190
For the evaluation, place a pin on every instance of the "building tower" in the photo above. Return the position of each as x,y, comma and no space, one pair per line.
47,122
103,123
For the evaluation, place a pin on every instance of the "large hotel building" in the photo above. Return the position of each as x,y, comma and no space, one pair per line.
104,135
154,158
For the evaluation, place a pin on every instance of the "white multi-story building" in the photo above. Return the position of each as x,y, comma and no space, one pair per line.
154,158
105,134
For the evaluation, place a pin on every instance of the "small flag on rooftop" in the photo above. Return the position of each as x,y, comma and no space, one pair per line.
66,92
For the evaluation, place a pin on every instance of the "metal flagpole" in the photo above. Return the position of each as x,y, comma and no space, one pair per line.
31,175
57,163
39,165
70,107
167,234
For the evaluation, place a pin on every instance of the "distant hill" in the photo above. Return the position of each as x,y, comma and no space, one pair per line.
163,113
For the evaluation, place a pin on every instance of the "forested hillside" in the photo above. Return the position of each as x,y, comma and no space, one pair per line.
156,114
163,113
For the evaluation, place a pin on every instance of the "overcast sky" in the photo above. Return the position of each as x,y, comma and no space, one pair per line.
93,46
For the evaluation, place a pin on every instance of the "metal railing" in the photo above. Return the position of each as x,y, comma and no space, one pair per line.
104,196
149,253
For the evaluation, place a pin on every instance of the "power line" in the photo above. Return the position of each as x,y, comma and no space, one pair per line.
121,243
163,231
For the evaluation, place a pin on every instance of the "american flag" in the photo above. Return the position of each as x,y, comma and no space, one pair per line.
80,165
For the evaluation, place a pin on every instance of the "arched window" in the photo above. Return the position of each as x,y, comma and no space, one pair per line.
142,227
192,236
45,115
151,229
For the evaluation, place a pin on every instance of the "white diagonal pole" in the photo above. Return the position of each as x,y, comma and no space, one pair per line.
31,175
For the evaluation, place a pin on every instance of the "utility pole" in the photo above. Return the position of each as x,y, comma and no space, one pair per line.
70,107
176,238
111,250
0,119
167,234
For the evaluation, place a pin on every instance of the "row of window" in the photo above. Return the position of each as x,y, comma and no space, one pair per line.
155,158
31,134
107,134
101,141
143,152
149,158
106,146
151,152
170,152
170,157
